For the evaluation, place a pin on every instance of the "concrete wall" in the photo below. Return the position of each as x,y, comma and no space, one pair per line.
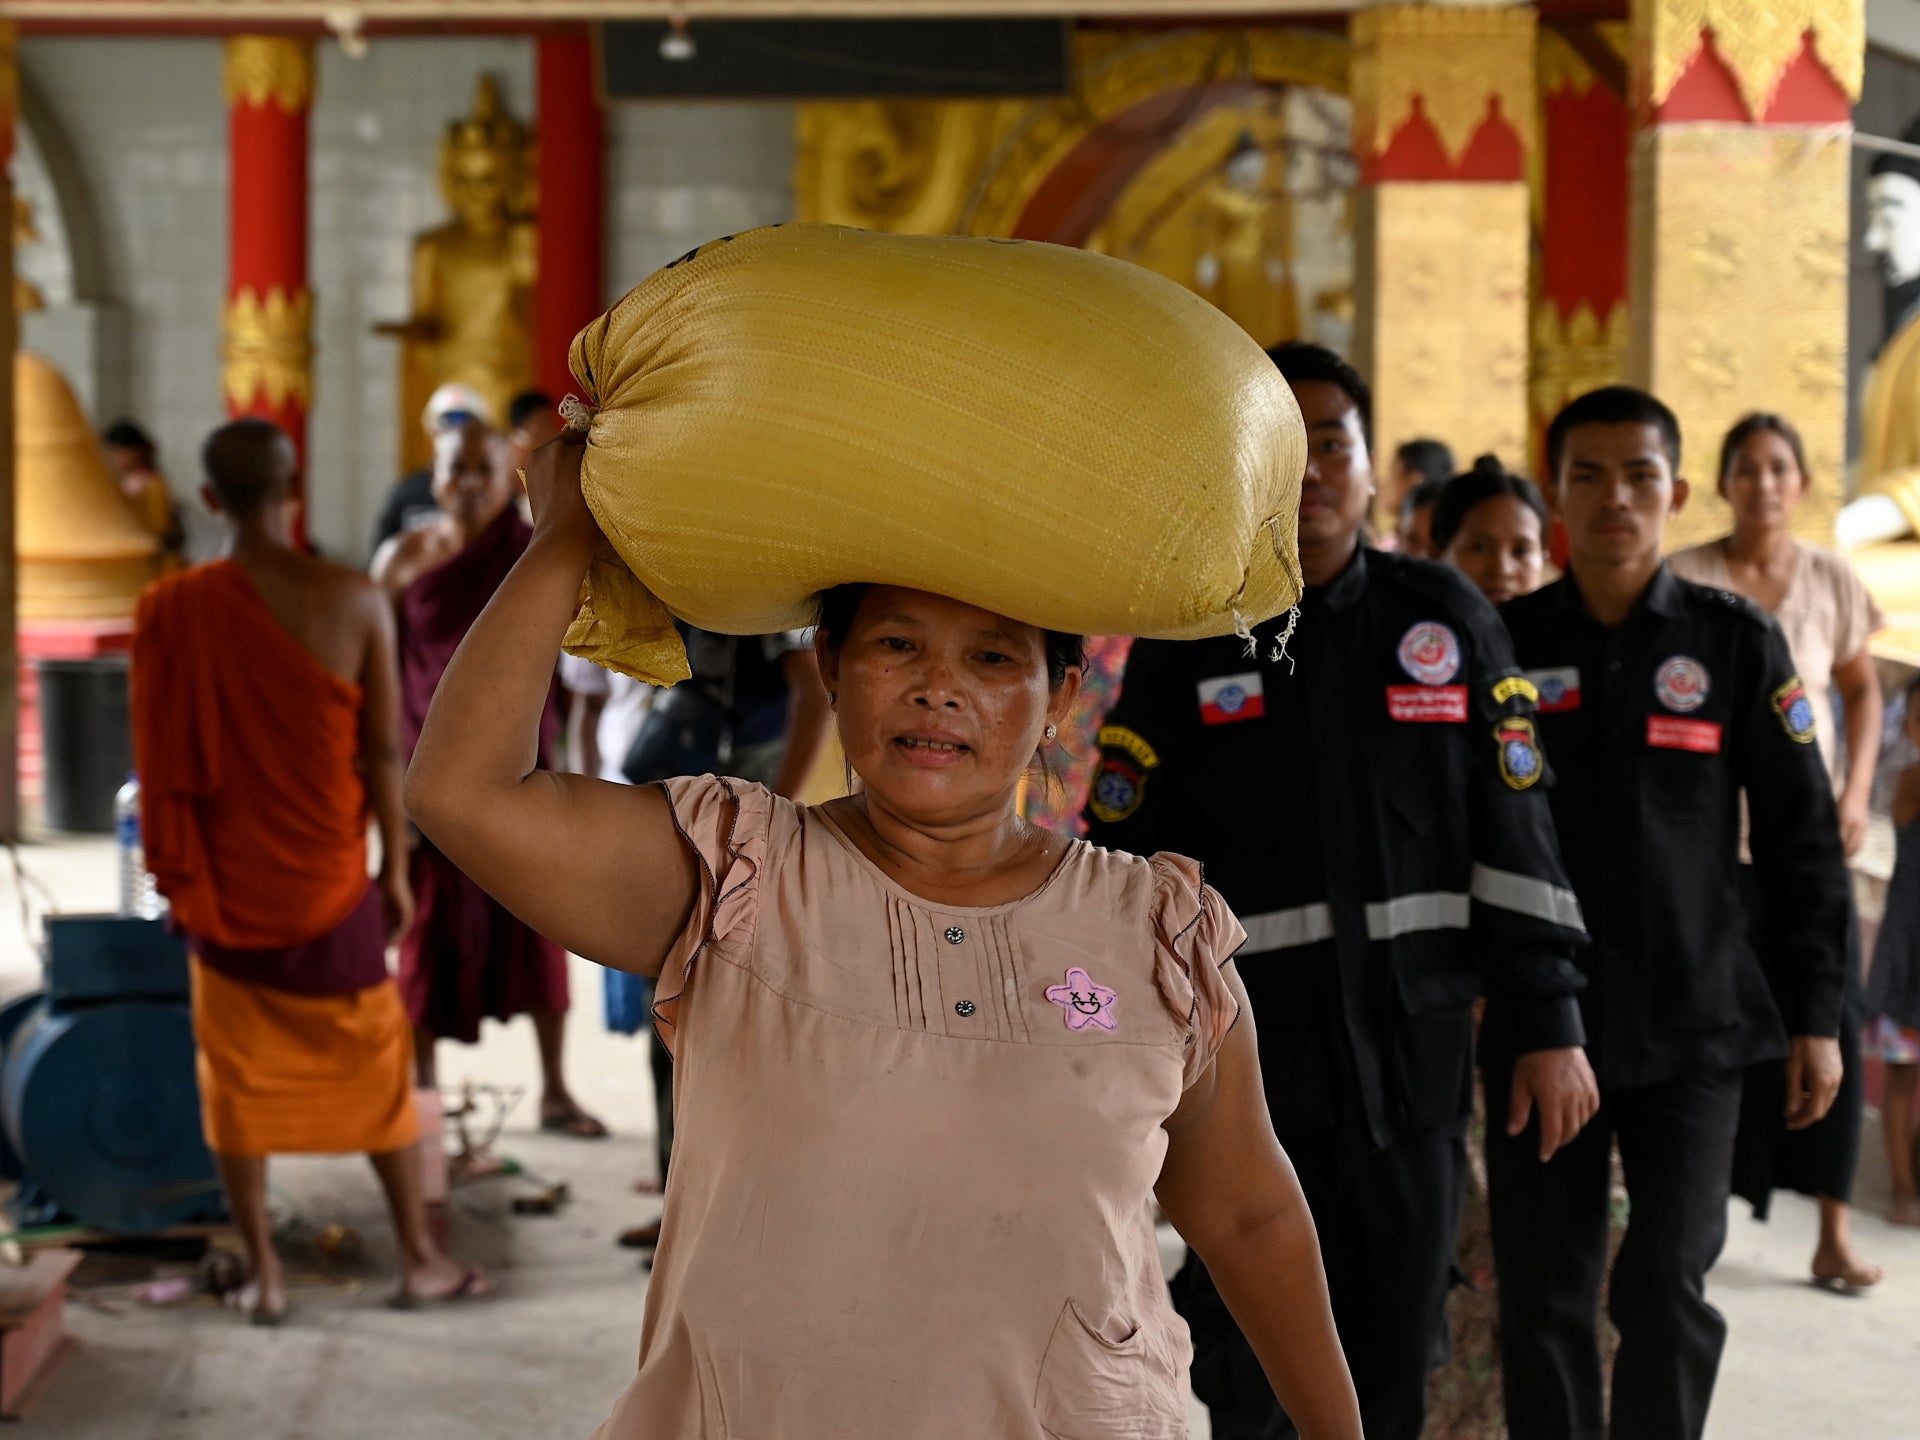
127,142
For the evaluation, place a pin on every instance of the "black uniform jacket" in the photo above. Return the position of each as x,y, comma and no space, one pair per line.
1655,728
1373,809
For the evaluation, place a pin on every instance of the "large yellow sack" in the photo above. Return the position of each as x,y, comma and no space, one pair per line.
1053,435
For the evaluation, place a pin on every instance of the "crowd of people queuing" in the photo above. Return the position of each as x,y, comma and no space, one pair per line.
1579,838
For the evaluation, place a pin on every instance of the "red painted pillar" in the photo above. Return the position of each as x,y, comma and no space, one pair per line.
268,325
1580,313
572,220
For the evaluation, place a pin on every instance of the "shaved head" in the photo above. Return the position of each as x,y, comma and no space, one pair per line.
250,464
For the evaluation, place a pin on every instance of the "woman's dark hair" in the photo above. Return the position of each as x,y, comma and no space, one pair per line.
1423,496
1487,480
1758,422
839,605
126,435
1429,459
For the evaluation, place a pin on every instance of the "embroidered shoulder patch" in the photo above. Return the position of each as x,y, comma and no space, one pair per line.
1521,764
1120,784
1119,737
1506,689
1795,709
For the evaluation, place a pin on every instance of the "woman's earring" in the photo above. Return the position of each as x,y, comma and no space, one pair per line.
1050,732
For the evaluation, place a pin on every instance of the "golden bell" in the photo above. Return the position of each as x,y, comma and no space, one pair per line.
83,553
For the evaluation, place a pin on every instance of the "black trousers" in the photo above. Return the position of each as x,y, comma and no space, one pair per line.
1822,1159
1386,1222
1550,1249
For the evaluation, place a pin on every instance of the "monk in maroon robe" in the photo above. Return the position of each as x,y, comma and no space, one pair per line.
466,958
264,722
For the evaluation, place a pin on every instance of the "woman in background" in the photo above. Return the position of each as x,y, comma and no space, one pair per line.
1491,526
1828,617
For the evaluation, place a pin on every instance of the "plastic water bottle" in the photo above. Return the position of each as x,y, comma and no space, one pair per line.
139,896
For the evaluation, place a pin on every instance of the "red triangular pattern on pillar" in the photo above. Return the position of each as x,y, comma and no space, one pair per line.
1807,93
1494,151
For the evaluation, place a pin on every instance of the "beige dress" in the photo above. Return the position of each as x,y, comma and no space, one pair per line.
917,1144
1827,617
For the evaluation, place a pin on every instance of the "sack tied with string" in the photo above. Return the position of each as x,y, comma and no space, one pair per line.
1046,433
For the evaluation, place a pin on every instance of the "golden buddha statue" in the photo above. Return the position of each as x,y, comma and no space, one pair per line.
1879,527
473,276
1245,234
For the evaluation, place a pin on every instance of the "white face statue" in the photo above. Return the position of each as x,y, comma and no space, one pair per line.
1893,226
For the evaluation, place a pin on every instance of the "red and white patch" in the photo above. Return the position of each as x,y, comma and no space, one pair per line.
1667,732
1682,684
1228,699
1559,688
1429,704
1430,653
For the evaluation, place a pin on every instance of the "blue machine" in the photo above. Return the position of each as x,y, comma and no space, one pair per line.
99,1107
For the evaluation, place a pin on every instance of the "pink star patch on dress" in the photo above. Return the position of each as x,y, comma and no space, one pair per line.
1084,1002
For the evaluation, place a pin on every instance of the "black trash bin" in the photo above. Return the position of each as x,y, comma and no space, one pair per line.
86,740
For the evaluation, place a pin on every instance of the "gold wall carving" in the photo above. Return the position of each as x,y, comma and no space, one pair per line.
1757,39
1275,251
970,167
1454,60
1574,355
267,350
1730,315
263,68
1564,68
9,72
905,166
1444,326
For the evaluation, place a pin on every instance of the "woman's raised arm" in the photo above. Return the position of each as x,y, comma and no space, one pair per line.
596,867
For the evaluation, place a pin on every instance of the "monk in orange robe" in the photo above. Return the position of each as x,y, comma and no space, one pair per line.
266,718
467,957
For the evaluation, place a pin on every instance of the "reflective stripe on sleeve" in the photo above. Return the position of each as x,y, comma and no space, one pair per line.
1287,929
1404,914
1428,910
1525,895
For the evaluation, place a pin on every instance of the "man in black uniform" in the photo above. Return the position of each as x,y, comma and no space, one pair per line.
1660,702
1371,806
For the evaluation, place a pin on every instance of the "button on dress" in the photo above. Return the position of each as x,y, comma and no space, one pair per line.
916,1144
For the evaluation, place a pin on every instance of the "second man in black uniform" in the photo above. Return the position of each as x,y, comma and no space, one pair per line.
1372,805
1661,702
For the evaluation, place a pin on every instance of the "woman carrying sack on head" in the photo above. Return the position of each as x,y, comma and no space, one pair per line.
934,1062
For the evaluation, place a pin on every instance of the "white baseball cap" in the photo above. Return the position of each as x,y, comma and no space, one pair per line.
451,402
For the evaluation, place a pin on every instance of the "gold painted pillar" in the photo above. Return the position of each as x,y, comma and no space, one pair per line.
1443,125
9,339
1740,229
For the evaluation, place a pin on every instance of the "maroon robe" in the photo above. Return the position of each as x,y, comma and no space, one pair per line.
466,957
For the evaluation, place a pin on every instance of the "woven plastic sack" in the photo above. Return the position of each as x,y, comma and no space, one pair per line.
1049,434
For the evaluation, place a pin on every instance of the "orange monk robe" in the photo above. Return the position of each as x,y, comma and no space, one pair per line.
254,819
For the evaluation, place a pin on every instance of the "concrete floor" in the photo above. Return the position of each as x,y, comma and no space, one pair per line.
546,1357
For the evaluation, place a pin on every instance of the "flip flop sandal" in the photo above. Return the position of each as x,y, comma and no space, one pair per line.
1851,1282
576,1124
467,1289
